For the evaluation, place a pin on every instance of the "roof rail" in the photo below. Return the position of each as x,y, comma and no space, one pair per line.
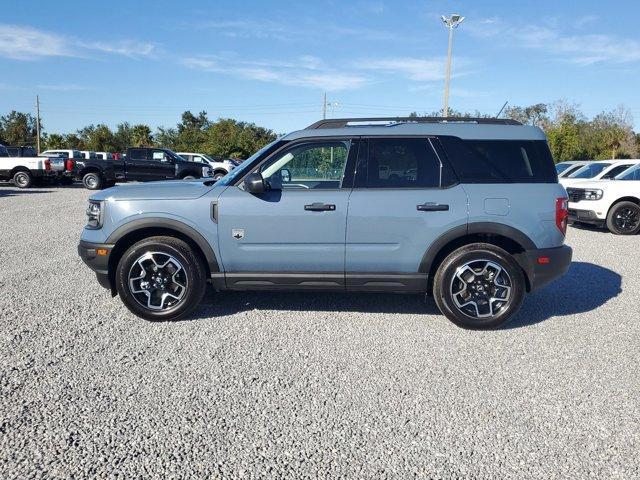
344,122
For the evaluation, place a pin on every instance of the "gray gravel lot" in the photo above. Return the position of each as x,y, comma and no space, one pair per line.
308,385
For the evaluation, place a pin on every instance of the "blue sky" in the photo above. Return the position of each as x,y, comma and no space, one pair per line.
269,62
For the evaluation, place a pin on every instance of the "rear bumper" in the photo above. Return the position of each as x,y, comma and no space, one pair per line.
99,263
544,265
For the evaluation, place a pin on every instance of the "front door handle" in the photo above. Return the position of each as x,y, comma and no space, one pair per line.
432,207
320,207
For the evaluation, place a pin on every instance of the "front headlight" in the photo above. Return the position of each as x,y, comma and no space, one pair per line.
94,215
593,194
206,172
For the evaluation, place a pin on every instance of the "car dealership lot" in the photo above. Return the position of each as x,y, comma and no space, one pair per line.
274,384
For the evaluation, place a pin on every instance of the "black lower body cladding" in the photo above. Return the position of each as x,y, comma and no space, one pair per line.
544,265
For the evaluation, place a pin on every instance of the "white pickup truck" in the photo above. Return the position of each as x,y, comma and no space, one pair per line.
219,166
614,203
25,171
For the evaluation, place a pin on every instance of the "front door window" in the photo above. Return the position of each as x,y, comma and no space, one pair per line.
308,166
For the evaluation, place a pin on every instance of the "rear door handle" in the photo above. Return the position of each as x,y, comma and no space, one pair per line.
320,207
432,207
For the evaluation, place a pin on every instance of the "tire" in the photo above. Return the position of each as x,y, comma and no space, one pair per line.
458,285
92,181
188,177
624,218
218,175
144,295
23,179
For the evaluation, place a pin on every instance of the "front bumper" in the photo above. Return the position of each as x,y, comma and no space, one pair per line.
544,265
96,257
587,216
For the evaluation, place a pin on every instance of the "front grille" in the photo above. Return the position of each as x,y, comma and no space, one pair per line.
575,194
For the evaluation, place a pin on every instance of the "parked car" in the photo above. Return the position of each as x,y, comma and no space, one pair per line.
24,171
220,166
597,170
146,164
88,155
93,172
105,155
476,217
572,167
612,203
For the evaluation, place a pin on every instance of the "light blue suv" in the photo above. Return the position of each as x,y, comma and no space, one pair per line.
467,210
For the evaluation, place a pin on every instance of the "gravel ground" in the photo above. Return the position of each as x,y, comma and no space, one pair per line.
308,385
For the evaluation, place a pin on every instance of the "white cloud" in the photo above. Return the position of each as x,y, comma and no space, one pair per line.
581,49
28,43
306,71
127,48
417,69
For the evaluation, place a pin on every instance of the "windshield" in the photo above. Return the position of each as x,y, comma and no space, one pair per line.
229,178
589,171
632,174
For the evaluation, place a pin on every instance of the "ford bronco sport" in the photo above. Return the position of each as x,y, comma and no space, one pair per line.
467,210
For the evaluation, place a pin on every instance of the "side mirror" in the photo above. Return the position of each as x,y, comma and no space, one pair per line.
254,183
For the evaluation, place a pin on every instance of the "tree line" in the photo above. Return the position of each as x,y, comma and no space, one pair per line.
224,137
572,135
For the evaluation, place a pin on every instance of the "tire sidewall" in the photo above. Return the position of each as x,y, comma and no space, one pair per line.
218,176
463,255
189,177
87,178
22,179
611,225
194,272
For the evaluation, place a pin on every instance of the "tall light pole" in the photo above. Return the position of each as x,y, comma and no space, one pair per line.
326,104
452,22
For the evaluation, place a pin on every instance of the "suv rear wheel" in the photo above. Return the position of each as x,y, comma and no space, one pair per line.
624,218
479,286
160,278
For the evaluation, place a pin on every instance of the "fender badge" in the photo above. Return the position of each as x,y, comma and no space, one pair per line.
237,233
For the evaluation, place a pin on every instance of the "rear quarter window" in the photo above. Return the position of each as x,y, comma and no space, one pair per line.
500,161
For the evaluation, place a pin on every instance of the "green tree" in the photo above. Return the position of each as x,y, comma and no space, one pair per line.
17,128
532,115
141,136
55,141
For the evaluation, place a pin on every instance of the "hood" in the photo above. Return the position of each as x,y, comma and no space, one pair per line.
163,190
588,184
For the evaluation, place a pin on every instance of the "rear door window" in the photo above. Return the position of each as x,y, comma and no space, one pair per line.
500,161
138,154
399,163
615,171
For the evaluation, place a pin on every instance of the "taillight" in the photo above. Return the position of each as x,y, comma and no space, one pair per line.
562,214
47,165
68,164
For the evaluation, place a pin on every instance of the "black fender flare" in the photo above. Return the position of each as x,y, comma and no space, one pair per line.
168,223
470,229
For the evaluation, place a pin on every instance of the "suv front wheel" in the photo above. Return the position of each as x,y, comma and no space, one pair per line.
160,278
624,218
479,286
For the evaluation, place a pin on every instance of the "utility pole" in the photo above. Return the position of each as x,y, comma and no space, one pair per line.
38,122
326,104
451,23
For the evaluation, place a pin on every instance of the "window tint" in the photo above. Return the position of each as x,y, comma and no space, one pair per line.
631,174
3,151
400,163
617,170
308,166
138,154
561,167
500,161
570,170
589,171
